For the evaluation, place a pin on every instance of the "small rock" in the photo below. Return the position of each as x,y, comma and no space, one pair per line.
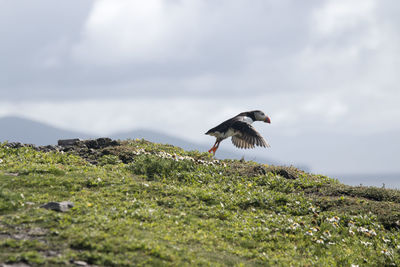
58,206
37,232
52,253
68,142
80,263
20,236
11,173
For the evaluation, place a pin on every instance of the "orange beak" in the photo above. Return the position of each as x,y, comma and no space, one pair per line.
267,119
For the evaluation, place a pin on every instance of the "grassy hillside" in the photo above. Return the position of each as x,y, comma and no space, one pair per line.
137,202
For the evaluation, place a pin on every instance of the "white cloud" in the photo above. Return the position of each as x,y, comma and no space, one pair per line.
338,16
119,32
352,51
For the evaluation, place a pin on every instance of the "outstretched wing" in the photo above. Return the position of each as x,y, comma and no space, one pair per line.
246,136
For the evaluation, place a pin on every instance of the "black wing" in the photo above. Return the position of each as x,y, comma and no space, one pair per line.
247,136
223,126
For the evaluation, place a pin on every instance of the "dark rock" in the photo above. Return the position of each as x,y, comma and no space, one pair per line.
48,148
100,143
285,174
68,142
15,145
58,206
91,144
260,170
104,142
106,152
68,148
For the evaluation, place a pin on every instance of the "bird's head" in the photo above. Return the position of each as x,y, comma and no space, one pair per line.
260,116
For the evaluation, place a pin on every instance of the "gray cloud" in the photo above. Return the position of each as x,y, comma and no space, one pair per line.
185,48
35,37
52,51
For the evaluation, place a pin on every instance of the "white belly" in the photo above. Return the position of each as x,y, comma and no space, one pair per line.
225,135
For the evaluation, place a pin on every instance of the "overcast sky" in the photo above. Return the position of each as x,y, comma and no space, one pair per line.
182,66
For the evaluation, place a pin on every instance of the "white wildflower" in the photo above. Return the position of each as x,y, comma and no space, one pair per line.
386,252
310,233
333,219
362,229
320,241
294,226
372,232
327,233
366,243
351,224
366,231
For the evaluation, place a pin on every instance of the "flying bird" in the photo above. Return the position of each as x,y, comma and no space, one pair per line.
239,127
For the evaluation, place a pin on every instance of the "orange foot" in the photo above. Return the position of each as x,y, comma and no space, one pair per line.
213,149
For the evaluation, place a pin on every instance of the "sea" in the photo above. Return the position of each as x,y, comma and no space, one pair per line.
391,180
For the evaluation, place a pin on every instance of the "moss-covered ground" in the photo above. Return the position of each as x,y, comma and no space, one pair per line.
150,204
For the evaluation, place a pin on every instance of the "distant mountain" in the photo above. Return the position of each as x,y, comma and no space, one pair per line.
15,129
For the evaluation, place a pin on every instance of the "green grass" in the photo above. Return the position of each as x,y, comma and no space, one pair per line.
152,204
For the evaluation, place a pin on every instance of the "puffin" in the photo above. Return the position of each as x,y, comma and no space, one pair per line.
239,127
